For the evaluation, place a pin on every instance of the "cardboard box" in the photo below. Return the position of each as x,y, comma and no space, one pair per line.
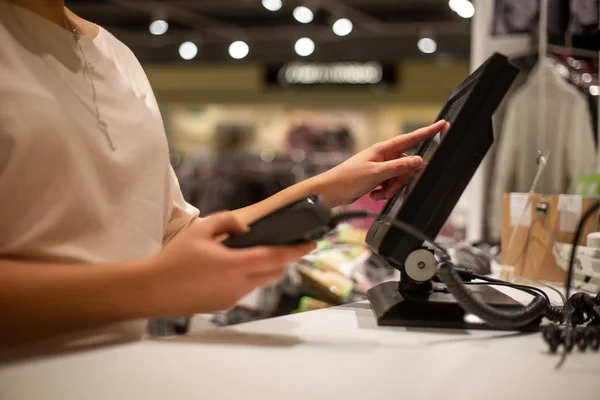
547,217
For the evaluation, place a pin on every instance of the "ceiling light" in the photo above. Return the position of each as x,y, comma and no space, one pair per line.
454,4
303,14
272,5
304,47
239,50
464,8
342,27
594,90
587,78
159,27
188,50
427,45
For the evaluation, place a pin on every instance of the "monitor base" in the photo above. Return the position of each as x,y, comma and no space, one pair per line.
434,309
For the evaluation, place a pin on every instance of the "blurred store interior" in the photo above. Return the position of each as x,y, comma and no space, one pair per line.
256,95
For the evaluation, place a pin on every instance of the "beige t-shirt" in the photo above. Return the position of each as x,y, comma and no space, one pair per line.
70,190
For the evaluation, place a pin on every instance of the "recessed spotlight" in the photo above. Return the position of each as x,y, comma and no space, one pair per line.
188,50
595,90
272,5
427,45
587,78
453,4
342,27
239,50
304,47
159,27
303,14
464,8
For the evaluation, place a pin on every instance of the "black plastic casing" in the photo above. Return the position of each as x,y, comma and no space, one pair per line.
302,221
427,203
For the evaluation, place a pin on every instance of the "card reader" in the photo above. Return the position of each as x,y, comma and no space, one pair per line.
305,220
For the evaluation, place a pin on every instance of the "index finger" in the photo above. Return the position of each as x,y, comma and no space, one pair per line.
410,140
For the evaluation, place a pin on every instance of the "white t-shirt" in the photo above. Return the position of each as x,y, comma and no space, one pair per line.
71,191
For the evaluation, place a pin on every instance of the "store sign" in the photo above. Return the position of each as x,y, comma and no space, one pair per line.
339,73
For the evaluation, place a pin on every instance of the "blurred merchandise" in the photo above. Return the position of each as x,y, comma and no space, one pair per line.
349,235
330,285
309,304
575,17
588,185
340,271
548,221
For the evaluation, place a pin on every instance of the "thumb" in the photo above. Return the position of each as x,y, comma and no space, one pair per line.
222,223
401,166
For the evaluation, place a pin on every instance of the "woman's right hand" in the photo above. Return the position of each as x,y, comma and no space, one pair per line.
196,273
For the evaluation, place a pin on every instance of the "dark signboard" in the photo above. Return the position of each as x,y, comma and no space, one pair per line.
331,74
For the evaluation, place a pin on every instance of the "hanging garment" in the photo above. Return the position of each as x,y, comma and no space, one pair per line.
562,127
515,16
498,121
584,17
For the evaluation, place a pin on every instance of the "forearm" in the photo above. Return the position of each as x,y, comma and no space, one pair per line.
41,300
293,193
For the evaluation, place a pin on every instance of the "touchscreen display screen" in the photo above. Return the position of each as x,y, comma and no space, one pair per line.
428,148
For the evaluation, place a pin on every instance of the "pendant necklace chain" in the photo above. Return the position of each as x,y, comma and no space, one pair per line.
87,66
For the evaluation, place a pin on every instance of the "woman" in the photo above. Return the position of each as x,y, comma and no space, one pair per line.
93,227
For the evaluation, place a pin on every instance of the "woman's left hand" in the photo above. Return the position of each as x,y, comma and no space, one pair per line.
382,169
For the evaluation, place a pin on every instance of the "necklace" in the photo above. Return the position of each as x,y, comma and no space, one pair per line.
87,66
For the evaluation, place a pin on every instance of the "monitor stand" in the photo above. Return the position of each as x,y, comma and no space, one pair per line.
430,305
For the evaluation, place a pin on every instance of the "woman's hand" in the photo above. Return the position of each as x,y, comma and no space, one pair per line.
383,165
196,273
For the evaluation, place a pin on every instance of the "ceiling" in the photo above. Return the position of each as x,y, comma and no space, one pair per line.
384,30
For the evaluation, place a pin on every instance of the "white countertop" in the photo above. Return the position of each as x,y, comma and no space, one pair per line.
336,353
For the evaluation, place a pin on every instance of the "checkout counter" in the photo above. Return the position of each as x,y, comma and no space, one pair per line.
334,353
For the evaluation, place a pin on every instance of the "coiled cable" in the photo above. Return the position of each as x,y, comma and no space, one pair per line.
579,309
514,319
504,319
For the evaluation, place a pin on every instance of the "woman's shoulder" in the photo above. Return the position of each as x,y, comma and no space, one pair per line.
120,51
104,38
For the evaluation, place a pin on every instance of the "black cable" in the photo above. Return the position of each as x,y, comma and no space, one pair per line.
579,309
524,288
595,207
468,275
506,319
582,328
567,335
515,285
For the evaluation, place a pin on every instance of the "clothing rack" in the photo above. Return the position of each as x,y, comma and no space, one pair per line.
572,50
544,47
522,47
